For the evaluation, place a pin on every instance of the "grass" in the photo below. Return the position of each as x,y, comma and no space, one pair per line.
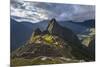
48,38
36,61
20,62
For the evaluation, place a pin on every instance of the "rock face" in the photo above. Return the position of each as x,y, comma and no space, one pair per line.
91,48
55,42
65,33
78,50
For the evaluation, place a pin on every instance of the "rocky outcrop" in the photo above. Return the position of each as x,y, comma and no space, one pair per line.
78,50
55,41
55,29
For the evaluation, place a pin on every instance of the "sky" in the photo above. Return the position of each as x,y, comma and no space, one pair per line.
38,11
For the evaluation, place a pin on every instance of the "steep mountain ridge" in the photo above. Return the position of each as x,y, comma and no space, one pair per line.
21,31
54,42
18,29
66,34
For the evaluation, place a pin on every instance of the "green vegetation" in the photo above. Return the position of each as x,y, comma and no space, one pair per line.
35,61
48,38
45,38
20,62
55,45
87,39
40,61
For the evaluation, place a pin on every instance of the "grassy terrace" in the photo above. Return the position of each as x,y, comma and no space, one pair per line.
39,61
46,39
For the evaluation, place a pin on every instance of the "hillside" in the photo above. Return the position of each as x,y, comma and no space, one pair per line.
56,44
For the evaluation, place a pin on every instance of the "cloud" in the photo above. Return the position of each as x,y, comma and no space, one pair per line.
38,11
79,13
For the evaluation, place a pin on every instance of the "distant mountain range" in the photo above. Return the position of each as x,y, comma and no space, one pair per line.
87,23
21,31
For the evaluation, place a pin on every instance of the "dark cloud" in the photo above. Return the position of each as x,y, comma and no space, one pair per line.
59,11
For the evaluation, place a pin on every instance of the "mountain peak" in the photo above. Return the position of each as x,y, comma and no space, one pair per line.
55,42
52,21
52,25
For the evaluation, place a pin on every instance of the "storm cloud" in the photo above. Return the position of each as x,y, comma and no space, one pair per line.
37,11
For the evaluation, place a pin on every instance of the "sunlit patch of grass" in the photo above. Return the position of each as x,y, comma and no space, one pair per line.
48,38
20,62
45,38
38,61
86,41
47,61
